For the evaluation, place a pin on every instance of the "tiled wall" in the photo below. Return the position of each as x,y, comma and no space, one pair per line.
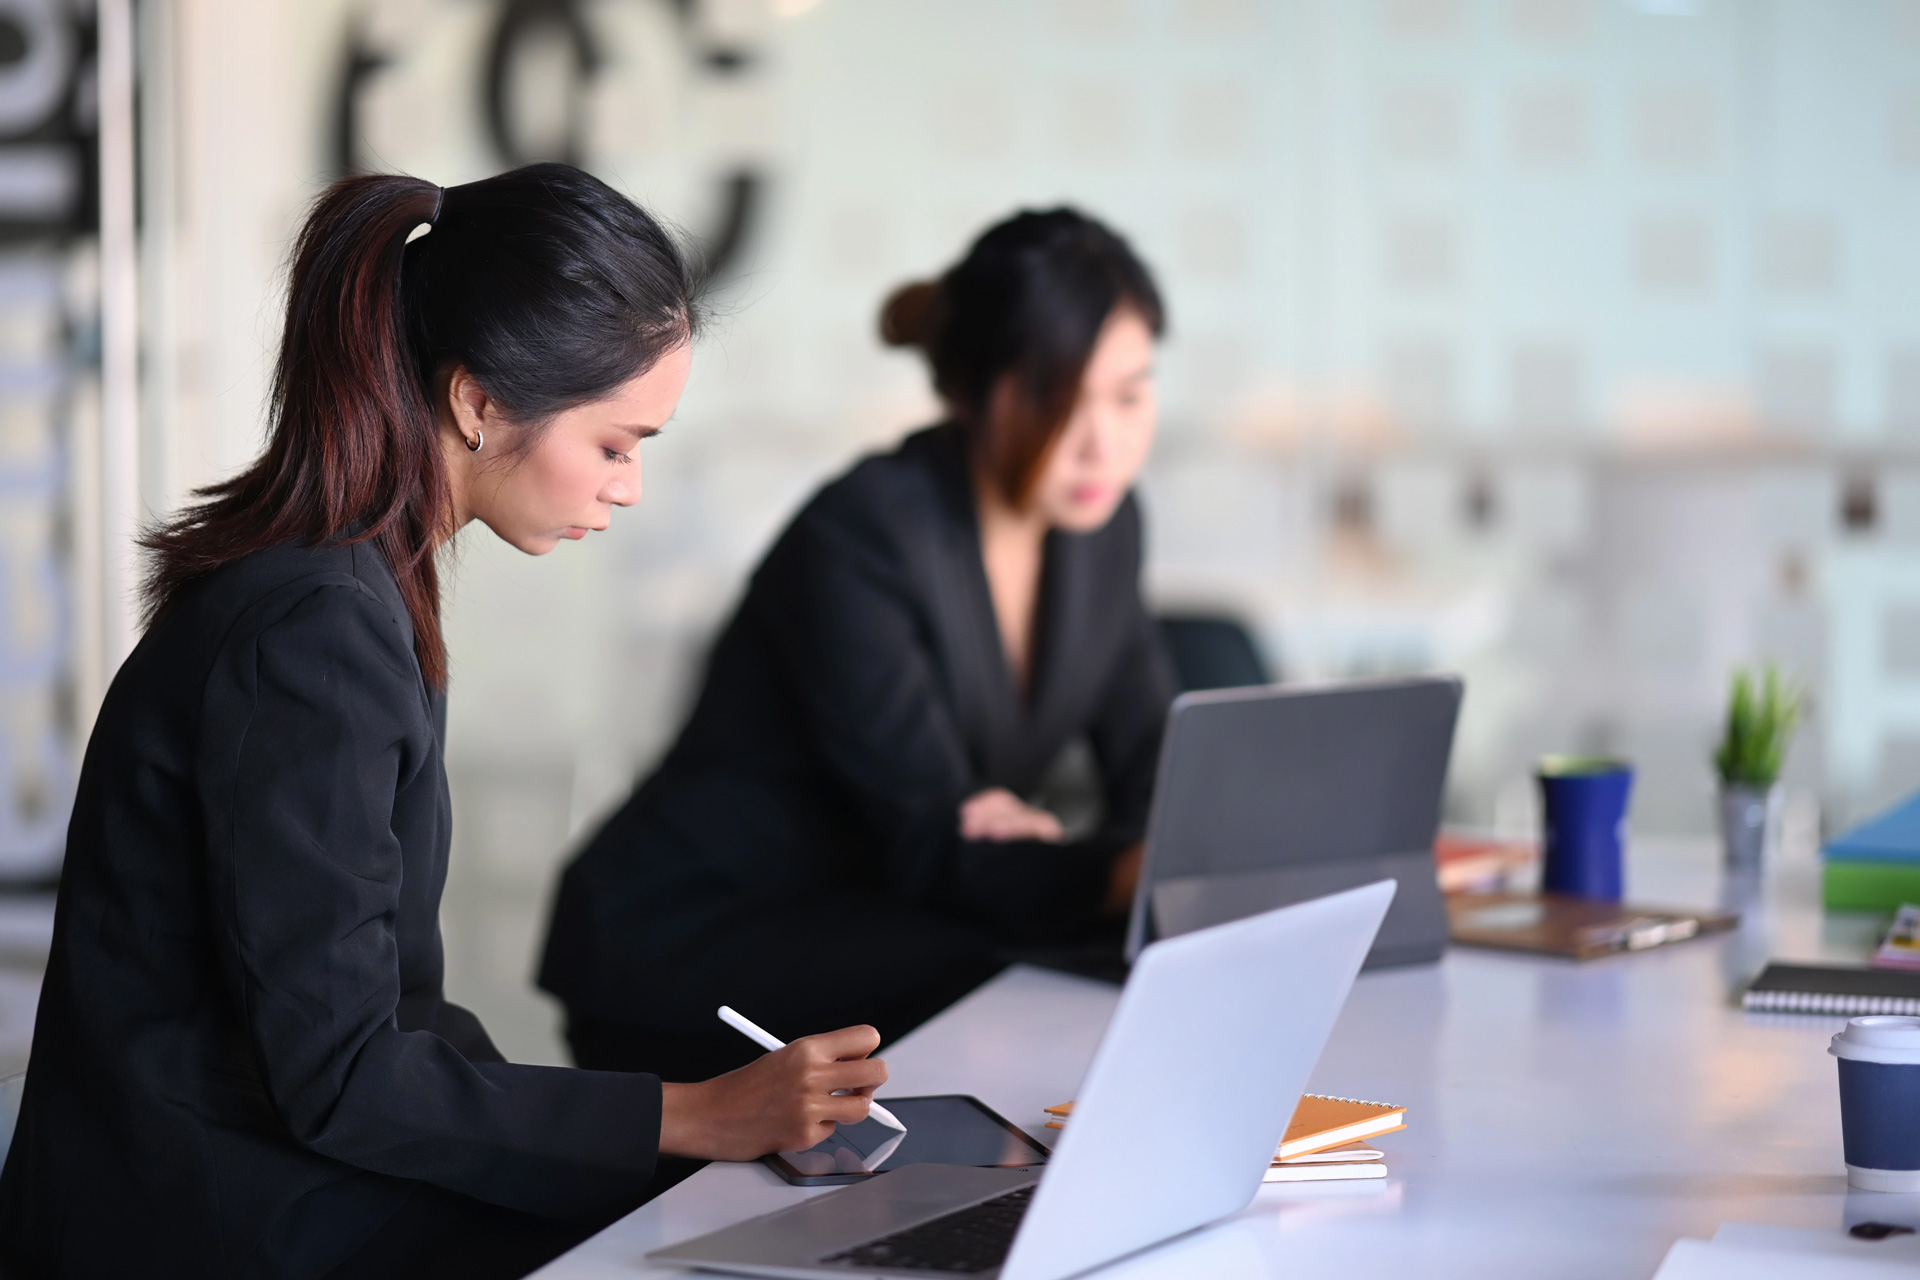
1536,337
1569,343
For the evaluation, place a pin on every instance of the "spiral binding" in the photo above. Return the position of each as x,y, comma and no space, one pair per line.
1854,1006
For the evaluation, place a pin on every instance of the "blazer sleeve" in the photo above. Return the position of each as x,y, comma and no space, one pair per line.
313,719
872,699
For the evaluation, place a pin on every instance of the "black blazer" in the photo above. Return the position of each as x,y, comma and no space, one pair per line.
242,1062
808,815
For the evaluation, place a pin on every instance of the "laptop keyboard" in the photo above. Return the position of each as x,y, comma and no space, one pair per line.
968,1241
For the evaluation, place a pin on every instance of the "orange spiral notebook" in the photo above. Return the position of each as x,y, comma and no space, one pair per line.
1319,1122
1322,1121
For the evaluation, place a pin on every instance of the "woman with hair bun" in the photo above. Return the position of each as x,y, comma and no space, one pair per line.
841,831
243,1064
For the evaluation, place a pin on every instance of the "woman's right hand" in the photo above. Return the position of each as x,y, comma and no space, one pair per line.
998,814
786,1101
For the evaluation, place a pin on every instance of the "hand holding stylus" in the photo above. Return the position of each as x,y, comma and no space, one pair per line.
787,1100
770,1042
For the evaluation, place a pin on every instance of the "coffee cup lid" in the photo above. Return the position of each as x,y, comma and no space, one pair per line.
1882,1038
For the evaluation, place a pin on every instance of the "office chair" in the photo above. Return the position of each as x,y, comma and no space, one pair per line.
1210,651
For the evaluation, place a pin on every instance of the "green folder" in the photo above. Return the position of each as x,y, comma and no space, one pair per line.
1869,886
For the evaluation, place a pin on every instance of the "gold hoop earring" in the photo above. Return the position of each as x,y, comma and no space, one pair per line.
479,438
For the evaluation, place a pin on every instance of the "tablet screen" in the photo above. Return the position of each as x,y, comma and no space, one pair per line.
948,1129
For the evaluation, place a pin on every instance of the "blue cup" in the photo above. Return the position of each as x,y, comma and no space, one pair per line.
1584,803
1880,1102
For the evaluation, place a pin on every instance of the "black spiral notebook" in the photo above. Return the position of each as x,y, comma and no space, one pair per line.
1845,991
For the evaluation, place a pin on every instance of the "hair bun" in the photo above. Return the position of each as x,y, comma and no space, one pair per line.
909,315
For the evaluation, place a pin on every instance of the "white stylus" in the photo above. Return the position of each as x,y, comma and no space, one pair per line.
768,1041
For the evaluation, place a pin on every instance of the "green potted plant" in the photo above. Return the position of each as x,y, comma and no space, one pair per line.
1762,712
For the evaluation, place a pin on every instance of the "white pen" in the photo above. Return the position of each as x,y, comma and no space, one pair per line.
768,1041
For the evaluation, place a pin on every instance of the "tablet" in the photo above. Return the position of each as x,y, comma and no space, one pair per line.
948,1128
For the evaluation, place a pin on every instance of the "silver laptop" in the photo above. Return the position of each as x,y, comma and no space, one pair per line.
1268,796
1174,1126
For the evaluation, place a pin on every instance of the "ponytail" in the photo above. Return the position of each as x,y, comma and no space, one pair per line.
550,288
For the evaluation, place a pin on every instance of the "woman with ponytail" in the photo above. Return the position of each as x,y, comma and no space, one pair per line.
243,1064
844,830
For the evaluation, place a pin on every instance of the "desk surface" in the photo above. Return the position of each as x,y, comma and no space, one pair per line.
1564,1120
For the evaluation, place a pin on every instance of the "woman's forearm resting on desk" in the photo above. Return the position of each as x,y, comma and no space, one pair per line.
1124,879
786,1101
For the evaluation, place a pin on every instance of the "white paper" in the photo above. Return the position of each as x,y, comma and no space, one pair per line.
1834,1242
1699,1260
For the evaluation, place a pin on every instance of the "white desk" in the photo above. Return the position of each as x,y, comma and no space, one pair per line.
1564,1120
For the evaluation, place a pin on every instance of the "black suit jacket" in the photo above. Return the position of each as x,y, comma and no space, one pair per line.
242,1063
802,835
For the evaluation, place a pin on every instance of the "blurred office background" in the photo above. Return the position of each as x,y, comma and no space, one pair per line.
1573,345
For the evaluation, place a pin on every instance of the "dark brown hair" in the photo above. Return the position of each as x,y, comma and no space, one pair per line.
548,286
1028,300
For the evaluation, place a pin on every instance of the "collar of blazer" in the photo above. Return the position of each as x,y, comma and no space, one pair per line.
1012,739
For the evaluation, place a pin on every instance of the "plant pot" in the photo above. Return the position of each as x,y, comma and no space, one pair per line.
1750,823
